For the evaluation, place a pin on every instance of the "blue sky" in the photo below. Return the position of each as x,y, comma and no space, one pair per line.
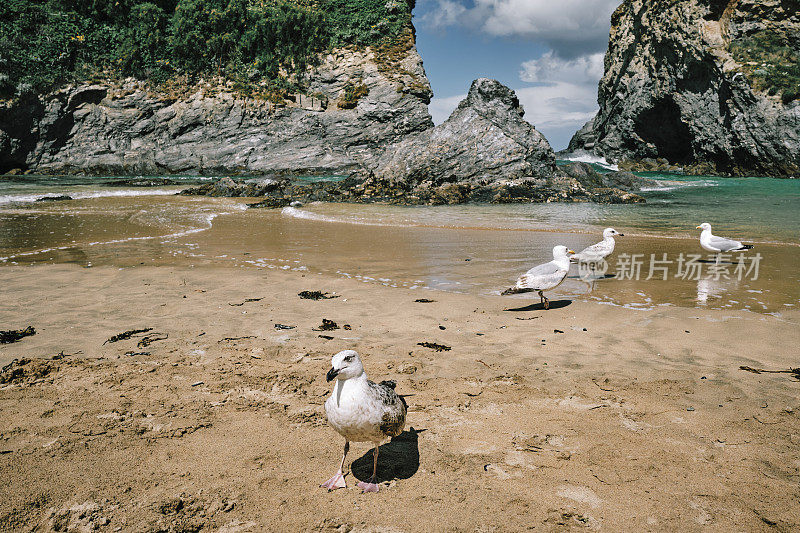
549,51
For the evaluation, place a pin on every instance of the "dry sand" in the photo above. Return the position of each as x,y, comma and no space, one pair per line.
622,420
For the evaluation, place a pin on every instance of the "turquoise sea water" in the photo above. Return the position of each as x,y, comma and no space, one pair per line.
477,248
752,209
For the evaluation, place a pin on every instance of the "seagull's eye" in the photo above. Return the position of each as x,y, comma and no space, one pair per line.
348,358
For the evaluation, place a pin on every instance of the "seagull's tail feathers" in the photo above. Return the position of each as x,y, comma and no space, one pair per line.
515,290
744,247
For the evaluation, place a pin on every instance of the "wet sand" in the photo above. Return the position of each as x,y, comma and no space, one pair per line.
478,260
587,416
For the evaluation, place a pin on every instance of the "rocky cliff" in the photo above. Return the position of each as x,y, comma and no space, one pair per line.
358,101
711,86
484,152
484,139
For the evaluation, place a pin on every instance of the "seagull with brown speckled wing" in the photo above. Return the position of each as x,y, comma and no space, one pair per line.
361,410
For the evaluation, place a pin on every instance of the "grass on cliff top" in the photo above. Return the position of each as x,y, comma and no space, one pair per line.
268,43
770,62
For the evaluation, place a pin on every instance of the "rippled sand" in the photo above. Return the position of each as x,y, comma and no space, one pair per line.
585,416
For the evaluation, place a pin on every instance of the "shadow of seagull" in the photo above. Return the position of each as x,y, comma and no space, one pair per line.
397,459
554,304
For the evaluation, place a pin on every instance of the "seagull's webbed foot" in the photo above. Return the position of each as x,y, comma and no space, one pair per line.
545,301
370,486
336,482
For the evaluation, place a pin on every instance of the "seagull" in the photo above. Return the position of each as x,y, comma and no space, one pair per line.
596,253
715,244
544,277
361,410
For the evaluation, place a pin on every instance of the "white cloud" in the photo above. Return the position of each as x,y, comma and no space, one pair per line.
446,14
558,104
440,108
570,27
550,68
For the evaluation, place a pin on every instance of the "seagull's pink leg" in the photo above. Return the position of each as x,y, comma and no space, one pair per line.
337,481
371,486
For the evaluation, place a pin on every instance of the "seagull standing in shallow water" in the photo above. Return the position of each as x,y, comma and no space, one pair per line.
598,252
361,410
719,245
544,277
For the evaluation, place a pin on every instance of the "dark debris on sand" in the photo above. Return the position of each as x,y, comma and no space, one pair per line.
13,335
127,335
316,295
795,372
327,325
435,346
20,370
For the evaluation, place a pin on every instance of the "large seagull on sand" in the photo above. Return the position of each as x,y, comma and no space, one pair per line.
361,410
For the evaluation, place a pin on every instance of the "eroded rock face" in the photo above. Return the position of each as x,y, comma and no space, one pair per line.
484,152
127,129
698,84
483,140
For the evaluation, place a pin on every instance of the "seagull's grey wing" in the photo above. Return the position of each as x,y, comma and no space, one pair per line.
542,277
594,252
724,245
593,249
394,407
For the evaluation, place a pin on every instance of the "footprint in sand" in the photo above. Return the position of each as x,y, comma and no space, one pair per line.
580,494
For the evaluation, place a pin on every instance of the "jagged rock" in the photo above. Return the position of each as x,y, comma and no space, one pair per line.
484,152
142,182
590,178
132,128
59,198
702,86
483,140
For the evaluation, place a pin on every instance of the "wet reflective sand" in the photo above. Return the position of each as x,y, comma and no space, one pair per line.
127,232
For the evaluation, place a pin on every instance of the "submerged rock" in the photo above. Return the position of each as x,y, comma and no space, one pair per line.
59,198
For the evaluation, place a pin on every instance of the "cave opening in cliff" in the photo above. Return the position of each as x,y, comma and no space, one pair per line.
661,125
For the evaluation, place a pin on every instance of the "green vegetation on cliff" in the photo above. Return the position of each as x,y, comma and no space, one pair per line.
771,62
49,42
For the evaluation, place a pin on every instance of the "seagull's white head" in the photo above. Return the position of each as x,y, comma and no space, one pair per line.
705,226
610,232
345,365
559,252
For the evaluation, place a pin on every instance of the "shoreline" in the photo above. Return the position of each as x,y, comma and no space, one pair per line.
401,252
220,423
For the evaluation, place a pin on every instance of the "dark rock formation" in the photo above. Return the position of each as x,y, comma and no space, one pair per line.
485,152
59,198
129,128
707,85
483,140
559,188
590,178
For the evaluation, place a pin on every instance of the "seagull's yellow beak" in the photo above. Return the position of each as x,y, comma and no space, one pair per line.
570,252
698,227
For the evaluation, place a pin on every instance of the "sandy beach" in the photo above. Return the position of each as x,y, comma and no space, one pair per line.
586,416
